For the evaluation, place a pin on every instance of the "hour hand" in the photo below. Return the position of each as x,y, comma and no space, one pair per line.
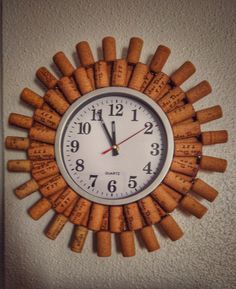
113,135
113,145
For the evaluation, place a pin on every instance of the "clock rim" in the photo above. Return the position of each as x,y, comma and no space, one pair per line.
119,91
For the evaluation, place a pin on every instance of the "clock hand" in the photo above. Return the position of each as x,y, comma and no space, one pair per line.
112,143
106,151
113,132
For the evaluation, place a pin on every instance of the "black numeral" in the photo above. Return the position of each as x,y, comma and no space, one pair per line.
117,110
148,169
94,178
155,151
97,114
84,128
79,165
74,146
134,115
111,186
149,127
132,183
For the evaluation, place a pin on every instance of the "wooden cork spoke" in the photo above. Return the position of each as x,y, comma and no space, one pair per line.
179,184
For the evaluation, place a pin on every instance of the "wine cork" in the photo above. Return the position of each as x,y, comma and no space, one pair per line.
116,219
204,190
42,134
157,84
188,120
56,101
177,183
130,69
127,243
32,98
83,80
52,186
133,217
193,207
101,74
185,177
52,198
56,225
41,153
96,217
38,165
164,199
185,165
48,108
139,73
187,140
109,48
159,59
79,238
69,89
186,70
105,220
171,228
86,219
46,77
17,143
188,149
46,118
214,137
109,71
160,210
70,207
19,165
175,195
39,209
63,64
147,80
119,73
26,189
45,180
164,91
90,73
209,114
84,54
103,243
183,131
134,50
171,99
48,170
181,113
181,103
199,91
20,120
149,211
149,238
81,208
65,200
35,144
213,164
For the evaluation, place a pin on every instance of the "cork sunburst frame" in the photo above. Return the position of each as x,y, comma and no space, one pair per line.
180,183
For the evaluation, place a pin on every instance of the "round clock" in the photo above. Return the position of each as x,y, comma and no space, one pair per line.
114,146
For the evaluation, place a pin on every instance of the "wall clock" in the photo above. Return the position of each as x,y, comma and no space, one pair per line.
114,146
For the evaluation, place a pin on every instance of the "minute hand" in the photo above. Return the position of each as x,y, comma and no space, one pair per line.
106,151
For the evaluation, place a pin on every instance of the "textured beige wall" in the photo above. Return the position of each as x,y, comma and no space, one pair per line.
201,31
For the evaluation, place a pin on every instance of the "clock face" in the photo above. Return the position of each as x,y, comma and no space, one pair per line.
114,146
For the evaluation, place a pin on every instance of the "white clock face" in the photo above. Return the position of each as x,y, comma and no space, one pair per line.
113,146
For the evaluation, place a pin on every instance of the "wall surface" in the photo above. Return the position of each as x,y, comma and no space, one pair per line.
200,31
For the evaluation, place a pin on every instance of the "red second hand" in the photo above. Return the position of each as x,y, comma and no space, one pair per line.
108,150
